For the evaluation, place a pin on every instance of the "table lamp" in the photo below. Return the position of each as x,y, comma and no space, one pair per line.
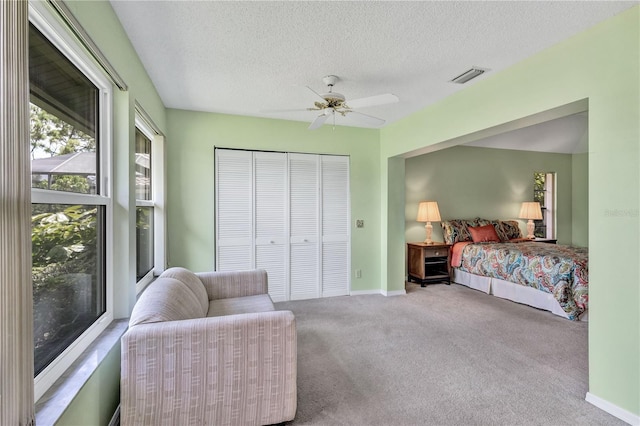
428,212
531,211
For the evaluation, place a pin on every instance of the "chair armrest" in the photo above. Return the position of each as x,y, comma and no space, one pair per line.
223,285
235,369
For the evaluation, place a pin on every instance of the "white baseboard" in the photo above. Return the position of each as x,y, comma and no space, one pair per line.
115,419
614,410
361,292
393,293
382,292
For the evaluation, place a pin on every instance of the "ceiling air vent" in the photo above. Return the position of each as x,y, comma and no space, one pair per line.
468,75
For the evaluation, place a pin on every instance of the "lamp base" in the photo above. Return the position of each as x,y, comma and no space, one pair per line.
530,229
428,228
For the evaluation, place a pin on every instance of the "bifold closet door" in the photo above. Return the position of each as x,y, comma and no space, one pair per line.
287,214
336,259
234,210
304,196
271,220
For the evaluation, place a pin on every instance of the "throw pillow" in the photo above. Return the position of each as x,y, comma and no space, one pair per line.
483,234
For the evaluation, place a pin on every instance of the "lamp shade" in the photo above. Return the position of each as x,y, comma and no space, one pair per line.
428,212
530,210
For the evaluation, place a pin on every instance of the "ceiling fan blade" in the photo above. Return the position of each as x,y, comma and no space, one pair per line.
283,110
316,93
387,98
367,119
319,121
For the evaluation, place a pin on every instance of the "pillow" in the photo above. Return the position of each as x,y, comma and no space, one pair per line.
478,221
507,229
166,299
192,281
455,230
484,234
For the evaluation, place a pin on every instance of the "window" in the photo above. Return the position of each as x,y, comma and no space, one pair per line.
149,166
544,193
144,207
70,201
68,275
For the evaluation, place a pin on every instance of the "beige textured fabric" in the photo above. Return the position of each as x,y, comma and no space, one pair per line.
240,305
166,299
190,279
221,285
230,370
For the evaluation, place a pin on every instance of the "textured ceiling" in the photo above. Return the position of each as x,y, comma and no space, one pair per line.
566,135
246,57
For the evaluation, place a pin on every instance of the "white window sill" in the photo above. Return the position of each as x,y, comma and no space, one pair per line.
56,399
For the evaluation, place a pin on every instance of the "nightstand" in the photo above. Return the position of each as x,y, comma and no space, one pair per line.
545,240
428,263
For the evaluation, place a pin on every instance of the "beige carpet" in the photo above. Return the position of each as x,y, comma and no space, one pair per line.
441,355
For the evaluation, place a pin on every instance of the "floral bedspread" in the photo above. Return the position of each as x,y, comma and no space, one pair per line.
560,270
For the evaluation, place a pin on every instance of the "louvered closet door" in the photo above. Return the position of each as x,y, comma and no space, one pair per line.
335,254
271,221
234,210
304,206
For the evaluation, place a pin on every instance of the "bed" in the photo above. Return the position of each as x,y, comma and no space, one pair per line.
491,256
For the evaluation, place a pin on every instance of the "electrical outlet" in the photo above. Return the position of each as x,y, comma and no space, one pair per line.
359,223
358,273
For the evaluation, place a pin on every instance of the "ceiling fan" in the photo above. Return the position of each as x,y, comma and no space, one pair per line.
331,103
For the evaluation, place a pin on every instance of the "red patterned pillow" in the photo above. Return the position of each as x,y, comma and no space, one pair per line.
484,234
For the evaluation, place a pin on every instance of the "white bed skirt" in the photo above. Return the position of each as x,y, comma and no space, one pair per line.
515,292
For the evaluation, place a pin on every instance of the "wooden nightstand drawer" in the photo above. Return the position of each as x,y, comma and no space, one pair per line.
436,251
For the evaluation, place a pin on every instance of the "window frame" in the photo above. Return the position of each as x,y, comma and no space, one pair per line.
550,204
144,124
42,17
548,207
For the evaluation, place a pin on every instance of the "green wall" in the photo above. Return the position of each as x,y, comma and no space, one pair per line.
100,396
580,200
600,67
392,226
470,182
190,181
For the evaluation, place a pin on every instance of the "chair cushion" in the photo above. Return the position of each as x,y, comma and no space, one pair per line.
194,284
166,299
240,305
